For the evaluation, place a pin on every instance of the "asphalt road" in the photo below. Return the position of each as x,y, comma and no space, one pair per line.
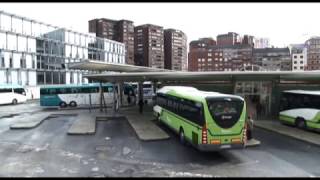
115,150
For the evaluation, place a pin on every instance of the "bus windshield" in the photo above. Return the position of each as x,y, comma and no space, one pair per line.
225,111
147,86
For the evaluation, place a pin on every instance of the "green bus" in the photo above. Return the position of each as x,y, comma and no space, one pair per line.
207,120
300,108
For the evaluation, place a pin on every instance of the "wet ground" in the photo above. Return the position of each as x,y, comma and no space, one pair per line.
115,151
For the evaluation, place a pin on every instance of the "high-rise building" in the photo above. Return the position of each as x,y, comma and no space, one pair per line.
261,43
121,31
231,38
313,53
149,46
248,40
175,50
298,57
273,59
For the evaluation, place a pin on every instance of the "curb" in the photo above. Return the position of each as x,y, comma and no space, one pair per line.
288,135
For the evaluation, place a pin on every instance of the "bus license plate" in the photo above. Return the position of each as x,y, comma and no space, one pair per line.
225,146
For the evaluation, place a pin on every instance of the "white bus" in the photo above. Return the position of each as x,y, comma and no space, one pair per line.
300,108
148,93
147,89
75,95
12,94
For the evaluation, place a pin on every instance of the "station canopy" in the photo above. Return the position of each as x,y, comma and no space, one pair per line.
93,65
208,76
138,73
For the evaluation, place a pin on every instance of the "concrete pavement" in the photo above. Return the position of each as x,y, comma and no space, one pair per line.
27,121
253,142
293,132
145,128
84,124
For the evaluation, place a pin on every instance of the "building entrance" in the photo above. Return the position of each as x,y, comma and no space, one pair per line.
257,95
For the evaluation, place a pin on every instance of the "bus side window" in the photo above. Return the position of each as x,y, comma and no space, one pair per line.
315,102
5,90
43,91
62,91
74,90
110,89
19,91
85,90
106,89
52,91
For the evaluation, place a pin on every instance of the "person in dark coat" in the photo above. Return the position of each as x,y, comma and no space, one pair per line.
249,127
140,106
129,99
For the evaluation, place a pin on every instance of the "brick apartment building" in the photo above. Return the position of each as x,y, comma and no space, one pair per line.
149,46
231,38
206,55
121,31
175,50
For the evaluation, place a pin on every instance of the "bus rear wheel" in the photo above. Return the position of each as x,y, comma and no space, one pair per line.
14,101
301,123
73,104
182,137
63,104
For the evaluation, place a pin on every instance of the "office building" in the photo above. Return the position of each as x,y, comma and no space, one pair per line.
149,46
121,31
175,50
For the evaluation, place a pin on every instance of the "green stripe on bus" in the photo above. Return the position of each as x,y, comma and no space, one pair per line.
187,121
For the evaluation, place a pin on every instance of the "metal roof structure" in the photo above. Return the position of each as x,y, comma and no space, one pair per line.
93,65
131,73
317,93
313,76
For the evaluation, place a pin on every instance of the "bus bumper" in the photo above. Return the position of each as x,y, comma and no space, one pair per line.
213,147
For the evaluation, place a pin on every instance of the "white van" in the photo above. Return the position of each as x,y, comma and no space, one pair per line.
12,94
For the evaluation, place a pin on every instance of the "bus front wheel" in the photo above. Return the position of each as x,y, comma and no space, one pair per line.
301,123
73,104
63,104
14,101
181,137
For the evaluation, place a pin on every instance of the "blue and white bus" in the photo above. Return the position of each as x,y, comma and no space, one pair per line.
75,95
12,94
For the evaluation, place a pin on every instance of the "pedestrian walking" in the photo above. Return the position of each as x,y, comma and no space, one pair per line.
258,109
129,99
140,106
249,127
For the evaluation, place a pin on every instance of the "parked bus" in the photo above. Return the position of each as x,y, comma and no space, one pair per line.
147,89
12,94
300,108
74,95
148,93
206,120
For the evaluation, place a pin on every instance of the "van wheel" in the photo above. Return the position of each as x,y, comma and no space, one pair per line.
73,104
300,123
14,101
182,137
63,104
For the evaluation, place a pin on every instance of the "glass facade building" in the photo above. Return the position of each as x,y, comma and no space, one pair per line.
34,53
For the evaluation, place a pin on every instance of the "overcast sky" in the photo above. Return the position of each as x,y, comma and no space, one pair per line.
283,23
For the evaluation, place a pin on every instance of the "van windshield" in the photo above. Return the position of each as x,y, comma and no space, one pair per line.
147,86
225,111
